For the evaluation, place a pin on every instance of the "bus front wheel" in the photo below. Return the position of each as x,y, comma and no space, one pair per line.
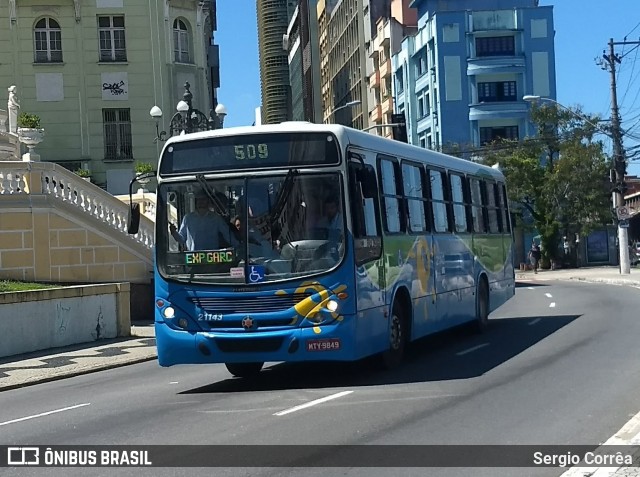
393,357
482,307
244,370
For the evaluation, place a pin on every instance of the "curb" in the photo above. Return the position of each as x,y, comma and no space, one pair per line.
77,371
608,281
628,435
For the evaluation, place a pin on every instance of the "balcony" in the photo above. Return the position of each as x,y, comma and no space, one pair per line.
383,34
374,80
498,110
385,68
386,104
375,114
489,65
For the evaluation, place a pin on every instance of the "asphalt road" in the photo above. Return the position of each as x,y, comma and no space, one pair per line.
559,365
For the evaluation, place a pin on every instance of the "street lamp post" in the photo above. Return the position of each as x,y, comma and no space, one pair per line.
350,104
188,119
618,167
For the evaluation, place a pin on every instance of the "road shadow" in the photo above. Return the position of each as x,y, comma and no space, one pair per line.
453,354
531,284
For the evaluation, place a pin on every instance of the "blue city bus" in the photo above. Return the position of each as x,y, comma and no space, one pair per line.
353,245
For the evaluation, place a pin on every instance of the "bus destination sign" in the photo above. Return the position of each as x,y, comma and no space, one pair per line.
208,257
228,153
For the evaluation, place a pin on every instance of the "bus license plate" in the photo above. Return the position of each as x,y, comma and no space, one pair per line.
330,344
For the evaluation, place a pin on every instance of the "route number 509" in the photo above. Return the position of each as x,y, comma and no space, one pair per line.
251,151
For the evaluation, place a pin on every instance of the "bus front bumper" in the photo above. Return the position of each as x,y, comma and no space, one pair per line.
331,342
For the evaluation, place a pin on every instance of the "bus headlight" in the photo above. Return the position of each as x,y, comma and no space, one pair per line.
169,312
332,305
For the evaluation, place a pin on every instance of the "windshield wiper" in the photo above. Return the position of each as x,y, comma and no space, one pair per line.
217,205
283,195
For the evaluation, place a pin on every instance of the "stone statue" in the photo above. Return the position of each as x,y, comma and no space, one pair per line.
13,107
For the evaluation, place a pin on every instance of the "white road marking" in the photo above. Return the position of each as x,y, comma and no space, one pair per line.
548,295
42,414
535,321
552,304
312,403
173,382
471,350
531,288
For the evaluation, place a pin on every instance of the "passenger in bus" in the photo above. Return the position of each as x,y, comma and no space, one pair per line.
332,218
258,245
202,229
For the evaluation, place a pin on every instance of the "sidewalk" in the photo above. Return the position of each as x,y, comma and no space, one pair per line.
606,274
48,365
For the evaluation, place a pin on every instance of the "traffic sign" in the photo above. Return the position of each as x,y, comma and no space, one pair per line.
626,212
623,224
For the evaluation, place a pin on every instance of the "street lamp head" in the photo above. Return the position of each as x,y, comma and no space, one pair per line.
221,110
182,107
155,112
531,98
345,106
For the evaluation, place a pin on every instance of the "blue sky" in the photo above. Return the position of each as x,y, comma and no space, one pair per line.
583,29
237,36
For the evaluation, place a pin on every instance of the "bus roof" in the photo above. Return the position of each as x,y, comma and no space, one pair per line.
354,137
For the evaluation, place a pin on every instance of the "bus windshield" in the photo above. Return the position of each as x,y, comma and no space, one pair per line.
250,230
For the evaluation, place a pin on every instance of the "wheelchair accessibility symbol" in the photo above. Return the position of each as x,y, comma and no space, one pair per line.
256,273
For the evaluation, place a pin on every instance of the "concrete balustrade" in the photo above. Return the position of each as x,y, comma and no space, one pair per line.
57,227
147,201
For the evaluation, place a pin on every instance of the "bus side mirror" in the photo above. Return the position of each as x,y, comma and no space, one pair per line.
133,219
368,181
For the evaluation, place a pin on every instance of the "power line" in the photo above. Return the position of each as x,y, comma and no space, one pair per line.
632,30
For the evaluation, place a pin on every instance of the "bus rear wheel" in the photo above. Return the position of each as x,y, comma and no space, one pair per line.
244,370
392,358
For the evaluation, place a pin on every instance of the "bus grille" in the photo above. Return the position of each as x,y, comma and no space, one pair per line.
237,324
252,345
250,304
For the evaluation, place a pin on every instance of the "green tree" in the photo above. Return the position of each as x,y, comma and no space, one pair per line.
560,176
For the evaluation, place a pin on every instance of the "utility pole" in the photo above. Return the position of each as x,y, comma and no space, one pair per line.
618,165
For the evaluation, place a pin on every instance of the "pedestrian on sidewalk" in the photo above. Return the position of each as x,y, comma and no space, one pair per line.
534,256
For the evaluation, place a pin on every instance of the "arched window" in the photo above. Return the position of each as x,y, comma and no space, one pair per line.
181,42
48,41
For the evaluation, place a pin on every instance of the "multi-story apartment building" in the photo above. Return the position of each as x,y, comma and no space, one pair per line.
388,34
323,10
304,62
93,69
273,20
460,80
344,73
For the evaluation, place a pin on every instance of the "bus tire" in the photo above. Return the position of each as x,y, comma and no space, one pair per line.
482,307
392,358
244,370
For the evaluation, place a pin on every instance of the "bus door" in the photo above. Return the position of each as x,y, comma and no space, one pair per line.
367,247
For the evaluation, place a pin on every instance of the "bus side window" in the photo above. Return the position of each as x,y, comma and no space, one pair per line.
364,210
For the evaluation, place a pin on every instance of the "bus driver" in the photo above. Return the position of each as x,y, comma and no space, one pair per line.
200,230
